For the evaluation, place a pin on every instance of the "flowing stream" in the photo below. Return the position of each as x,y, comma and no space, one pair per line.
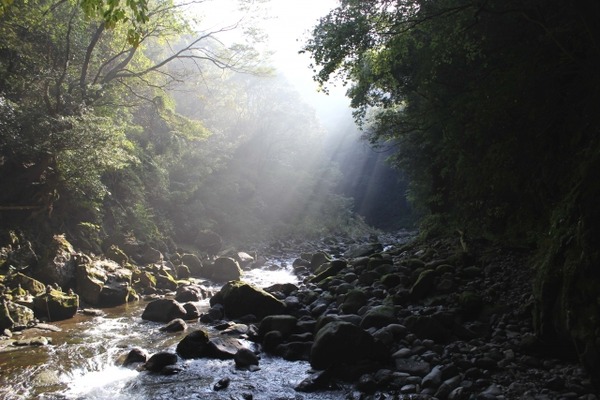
83,362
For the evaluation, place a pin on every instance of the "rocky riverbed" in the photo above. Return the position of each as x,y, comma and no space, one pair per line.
372,318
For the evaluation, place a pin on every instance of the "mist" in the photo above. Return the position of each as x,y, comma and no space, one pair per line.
288,158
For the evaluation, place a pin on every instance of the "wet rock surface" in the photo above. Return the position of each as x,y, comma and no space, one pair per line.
375,318
420,321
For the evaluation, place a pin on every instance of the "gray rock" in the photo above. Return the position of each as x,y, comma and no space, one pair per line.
160,360
194,345
135,355
285,324
423,285
244,358
163,310
412,367
223,269
176,325
240,299
344,343
433,379
378,317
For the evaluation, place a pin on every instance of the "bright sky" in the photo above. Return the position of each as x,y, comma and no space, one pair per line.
287,24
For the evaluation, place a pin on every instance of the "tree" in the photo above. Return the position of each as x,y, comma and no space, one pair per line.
489,104
73,85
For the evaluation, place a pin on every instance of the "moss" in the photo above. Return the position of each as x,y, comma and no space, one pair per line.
34,286
567,285
55,306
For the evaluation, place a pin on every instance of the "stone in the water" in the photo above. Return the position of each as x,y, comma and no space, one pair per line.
176,325
223,269
160,360
317,381
35,341
93,312
285,324
163,310
240,299
192,311
136,355
244,358
221,384
194,345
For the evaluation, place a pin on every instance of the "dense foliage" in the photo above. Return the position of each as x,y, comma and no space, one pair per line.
492,105
154,134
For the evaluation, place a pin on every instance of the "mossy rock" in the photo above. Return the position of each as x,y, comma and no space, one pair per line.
117,255
13,315
34,286
55,306
414,263
319,259
144,279
354,300
328,269
193,263
423,285
378,317
164,280
240,298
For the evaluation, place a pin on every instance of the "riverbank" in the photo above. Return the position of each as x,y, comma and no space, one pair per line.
452,319
363,319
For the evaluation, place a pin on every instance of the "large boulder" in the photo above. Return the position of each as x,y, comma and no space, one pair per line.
55,305
165,280
13,315
34,286
341,343
423,285
194,345
116,293
117,255
144,281
149,255
89,281
57,265
104,283
332,268
163,310
198,345
378,317
193,263
284,324
239,298
191,292
223,269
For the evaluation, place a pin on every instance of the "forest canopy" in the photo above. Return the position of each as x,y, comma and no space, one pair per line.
156,133
492,107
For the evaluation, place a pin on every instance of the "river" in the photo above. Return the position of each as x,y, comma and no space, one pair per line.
83,361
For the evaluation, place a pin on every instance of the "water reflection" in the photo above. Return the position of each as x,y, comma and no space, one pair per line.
83,362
